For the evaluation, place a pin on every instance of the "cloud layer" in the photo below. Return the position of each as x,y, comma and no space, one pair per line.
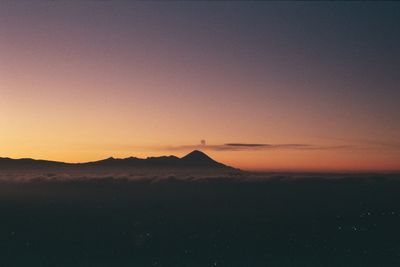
254,146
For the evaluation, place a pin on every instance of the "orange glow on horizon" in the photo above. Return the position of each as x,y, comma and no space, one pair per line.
77,87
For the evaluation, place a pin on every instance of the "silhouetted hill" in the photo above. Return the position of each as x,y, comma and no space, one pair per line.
26,163
194,160
198,158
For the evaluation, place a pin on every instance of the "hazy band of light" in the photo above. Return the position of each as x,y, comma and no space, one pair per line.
80,75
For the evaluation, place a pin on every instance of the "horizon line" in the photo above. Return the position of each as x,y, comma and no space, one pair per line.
253,170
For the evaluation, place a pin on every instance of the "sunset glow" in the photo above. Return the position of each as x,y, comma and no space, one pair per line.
82,81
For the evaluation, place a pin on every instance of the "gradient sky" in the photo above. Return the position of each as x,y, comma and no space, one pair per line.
317,82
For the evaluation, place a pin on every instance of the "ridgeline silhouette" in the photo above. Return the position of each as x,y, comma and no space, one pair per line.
194,160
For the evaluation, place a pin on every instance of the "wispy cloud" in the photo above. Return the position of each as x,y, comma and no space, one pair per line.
232,146
252,147
247,145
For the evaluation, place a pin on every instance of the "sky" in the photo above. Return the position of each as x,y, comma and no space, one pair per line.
266,85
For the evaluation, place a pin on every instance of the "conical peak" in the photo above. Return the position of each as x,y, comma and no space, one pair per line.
197,155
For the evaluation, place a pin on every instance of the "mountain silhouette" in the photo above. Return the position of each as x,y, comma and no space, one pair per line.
194,160
198,158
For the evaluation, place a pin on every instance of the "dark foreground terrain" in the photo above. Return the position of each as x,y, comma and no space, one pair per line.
279,220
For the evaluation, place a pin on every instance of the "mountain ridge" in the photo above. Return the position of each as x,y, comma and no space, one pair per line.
193,160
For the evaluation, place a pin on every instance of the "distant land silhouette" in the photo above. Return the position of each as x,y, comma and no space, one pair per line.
194,160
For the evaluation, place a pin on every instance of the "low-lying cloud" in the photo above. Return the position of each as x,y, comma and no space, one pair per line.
254,146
